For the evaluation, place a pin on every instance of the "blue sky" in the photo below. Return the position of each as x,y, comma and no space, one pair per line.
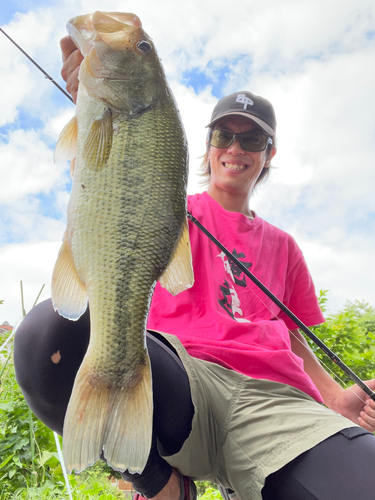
317,70
8,10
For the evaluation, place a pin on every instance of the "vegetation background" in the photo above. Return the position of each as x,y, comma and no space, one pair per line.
29,464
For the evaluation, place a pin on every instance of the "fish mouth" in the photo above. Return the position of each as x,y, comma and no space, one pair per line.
113,28
111,22
235,166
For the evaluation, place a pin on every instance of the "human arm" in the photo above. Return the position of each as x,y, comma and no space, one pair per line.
352,403
72,59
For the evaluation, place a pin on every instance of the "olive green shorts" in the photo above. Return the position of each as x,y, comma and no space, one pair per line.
245,429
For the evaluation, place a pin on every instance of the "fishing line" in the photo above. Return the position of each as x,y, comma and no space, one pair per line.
294,318
37,65
16,98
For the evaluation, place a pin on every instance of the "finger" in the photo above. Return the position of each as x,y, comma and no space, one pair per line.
365,425
371,384
71,64
72,84
367,421
67,47
369,407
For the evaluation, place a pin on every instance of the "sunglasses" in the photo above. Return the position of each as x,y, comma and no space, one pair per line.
253,140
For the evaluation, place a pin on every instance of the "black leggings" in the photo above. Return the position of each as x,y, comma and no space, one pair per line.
339,468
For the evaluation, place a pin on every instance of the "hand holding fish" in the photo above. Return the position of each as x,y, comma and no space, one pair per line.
72,59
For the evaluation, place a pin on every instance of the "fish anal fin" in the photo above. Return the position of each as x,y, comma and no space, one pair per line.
179,276
115,420
69,295
98,143
66,147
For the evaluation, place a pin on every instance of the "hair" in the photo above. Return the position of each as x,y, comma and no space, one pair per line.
205,166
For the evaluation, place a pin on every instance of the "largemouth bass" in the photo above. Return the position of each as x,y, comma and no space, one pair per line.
126,229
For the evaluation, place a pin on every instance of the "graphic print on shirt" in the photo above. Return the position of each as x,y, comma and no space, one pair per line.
230,301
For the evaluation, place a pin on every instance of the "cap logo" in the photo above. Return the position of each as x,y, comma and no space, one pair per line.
246,101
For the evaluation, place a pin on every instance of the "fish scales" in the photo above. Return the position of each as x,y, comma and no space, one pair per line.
126,229
133,230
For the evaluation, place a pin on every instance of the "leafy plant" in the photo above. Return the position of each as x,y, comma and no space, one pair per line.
27,447
350,334
93,484
211,493
207,490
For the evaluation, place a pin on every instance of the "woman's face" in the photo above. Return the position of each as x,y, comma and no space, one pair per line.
233,169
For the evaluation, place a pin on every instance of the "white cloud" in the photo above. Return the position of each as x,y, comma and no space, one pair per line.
312,59
55,124
341,265
27,167
31,263
22,84
195,113
15,84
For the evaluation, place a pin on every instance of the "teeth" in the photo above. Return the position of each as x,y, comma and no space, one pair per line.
232,166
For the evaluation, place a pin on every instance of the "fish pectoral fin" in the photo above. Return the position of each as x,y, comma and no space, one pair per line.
115,420
179,276
66,147
98,143
69,295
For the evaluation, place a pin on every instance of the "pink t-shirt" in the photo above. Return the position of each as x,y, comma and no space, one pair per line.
225,318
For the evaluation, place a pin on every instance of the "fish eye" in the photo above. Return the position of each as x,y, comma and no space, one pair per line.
144,46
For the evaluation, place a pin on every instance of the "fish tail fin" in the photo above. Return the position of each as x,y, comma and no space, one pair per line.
115,421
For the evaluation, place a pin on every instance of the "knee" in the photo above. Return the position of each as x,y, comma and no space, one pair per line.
48,351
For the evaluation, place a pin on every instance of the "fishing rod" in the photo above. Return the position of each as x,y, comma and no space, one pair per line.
37,65
352,376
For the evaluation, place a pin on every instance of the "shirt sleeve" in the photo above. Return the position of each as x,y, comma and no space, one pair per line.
300,297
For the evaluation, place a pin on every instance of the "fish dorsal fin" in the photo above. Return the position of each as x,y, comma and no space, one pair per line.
179,276
69,296
98,143
66,147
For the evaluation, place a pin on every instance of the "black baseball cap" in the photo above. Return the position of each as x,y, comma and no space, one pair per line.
244,103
